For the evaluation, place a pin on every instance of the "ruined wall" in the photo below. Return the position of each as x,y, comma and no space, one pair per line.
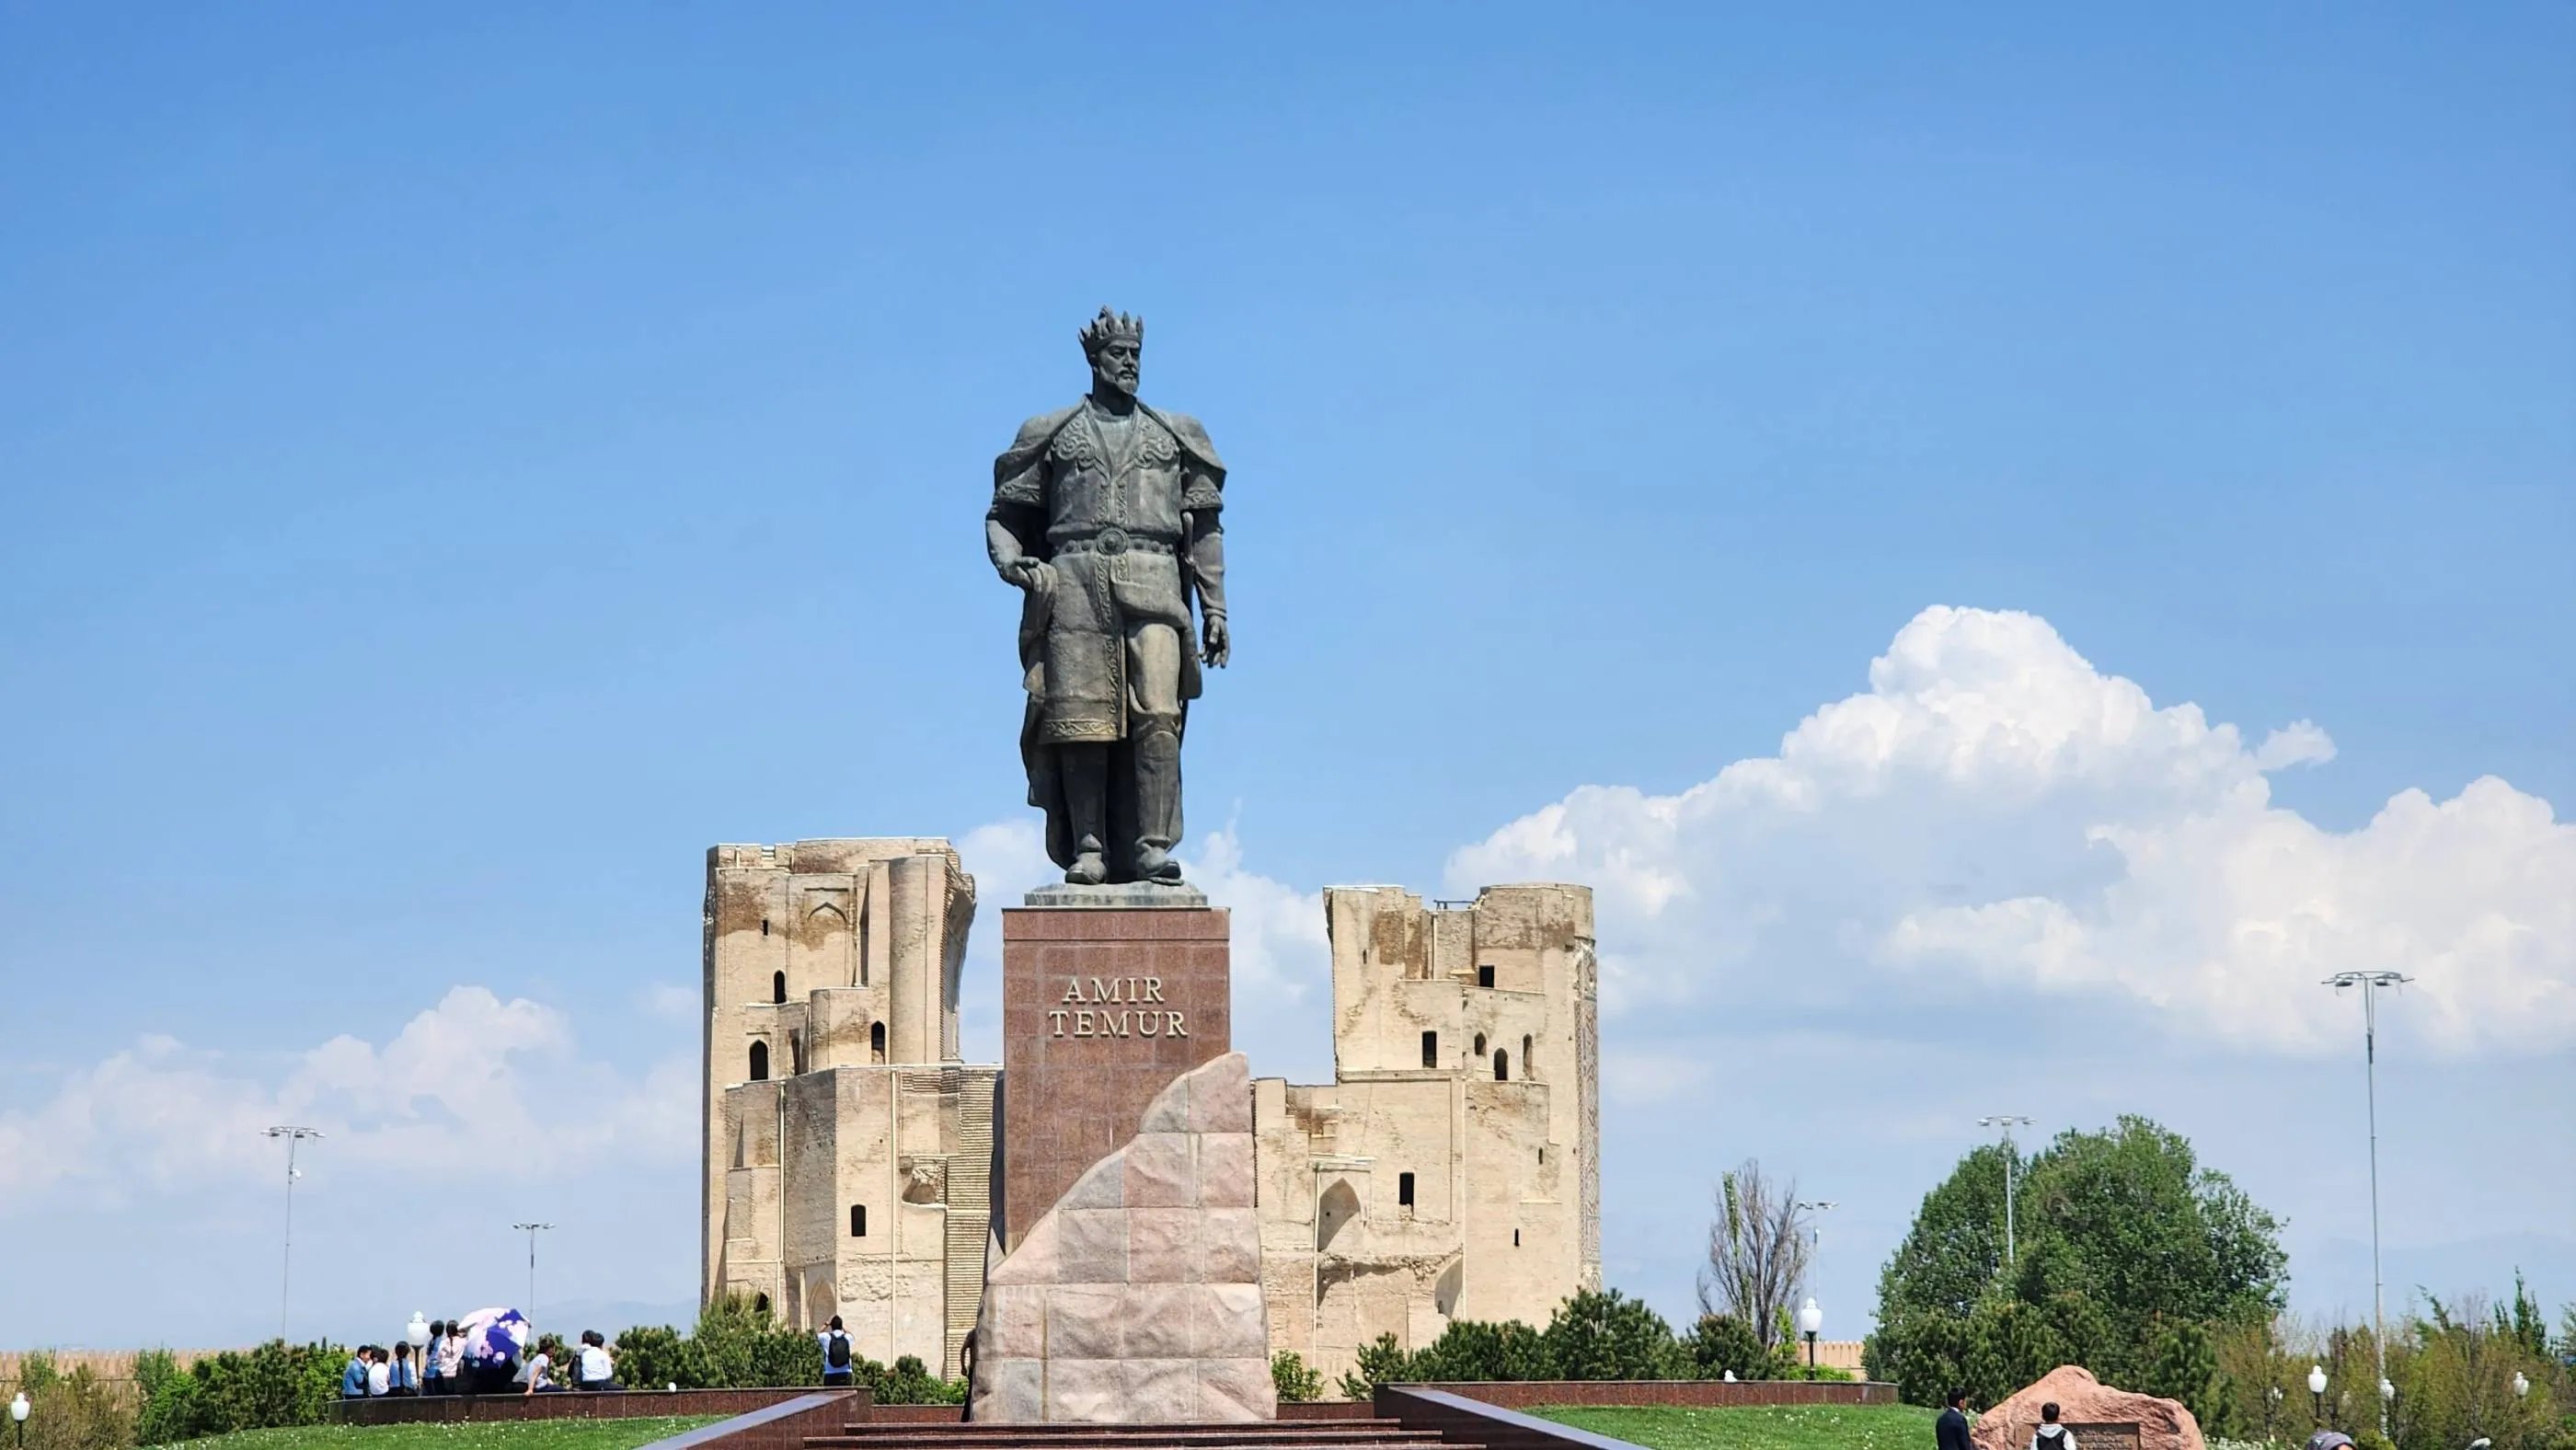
848,1151
1452,1169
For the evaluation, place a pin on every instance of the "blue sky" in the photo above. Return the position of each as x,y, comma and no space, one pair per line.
457,469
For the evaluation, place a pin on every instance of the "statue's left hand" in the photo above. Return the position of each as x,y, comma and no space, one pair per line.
1219,646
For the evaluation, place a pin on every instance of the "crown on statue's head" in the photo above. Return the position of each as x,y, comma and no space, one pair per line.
1111,327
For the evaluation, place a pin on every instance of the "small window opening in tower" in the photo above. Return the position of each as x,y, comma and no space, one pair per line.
760,1062
858,1220
1430,1049
1480,1044
1485,975
1542,1155
764,926
1502,1065
876,1042
1526,1058
1516,1238
1404,1190
778,987
760,1302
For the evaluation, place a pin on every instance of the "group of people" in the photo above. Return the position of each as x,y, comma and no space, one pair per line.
445,1368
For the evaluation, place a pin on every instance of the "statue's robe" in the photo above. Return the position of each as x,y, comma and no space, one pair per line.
1113,512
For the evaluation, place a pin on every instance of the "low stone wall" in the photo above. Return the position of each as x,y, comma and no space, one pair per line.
848,1404
1694,1394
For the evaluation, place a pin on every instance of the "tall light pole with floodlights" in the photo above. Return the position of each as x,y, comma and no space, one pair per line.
286,1265
2012,1161
2370,984
532,1230
1813,1207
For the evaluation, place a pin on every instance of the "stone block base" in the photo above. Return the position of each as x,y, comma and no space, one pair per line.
1101,1008
1137,1298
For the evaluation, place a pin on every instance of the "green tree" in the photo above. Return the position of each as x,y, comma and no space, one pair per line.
2122,1237
1721,1344
274,1385
1381,1362
1470,1351
2182,1364
1604,1335
1296,1382
1956,1245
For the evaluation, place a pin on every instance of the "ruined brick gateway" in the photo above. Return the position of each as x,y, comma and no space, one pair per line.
1450,1171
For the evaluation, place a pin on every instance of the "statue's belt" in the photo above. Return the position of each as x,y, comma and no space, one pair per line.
1113,541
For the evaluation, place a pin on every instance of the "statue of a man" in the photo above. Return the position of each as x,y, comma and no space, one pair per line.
1106,515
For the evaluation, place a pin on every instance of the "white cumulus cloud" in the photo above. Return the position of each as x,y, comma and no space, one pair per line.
472,1087
1993,809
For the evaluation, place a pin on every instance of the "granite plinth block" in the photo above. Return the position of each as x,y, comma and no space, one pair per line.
1137,1299
1101,1009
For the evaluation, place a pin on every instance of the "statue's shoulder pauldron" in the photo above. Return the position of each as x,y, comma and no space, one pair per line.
1016,474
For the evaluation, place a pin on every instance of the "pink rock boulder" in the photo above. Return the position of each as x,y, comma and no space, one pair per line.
2099,1416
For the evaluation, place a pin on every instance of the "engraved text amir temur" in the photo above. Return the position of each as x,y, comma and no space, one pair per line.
1113,1007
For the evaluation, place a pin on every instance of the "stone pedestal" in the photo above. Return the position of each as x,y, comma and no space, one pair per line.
1102,1007
1137,1298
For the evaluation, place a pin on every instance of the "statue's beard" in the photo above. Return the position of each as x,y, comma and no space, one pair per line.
1114,381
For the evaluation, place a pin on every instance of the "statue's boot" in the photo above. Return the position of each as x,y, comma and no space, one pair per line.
1086,810
1157,748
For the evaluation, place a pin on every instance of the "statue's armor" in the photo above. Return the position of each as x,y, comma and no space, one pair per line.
1113,491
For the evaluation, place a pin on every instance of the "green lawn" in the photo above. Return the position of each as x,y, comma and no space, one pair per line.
492,1435
1765,1427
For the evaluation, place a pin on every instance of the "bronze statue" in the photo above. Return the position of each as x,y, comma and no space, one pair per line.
1107,515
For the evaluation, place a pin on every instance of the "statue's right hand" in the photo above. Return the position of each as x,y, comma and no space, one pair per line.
1030,574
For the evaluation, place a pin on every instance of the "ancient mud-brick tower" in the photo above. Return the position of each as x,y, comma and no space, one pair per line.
1452,1170
848,1149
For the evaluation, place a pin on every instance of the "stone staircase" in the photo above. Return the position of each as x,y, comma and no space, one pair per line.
1247,1435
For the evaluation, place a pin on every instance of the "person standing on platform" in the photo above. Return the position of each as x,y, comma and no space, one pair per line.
836,1354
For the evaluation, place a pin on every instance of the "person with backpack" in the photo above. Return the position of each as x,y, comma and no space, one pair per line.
595,1368
2051,1435
836,1354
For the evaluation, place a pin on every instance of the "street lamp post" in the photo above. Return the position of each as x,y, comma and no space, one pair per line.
416,1334
2370,984
286,1265
1810,1320
2012,1160
532,1231
18,1411
2317,1393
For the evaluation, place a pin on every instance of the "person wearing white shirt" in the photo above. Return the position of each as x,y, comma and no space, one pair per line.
594,1368
534,1371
